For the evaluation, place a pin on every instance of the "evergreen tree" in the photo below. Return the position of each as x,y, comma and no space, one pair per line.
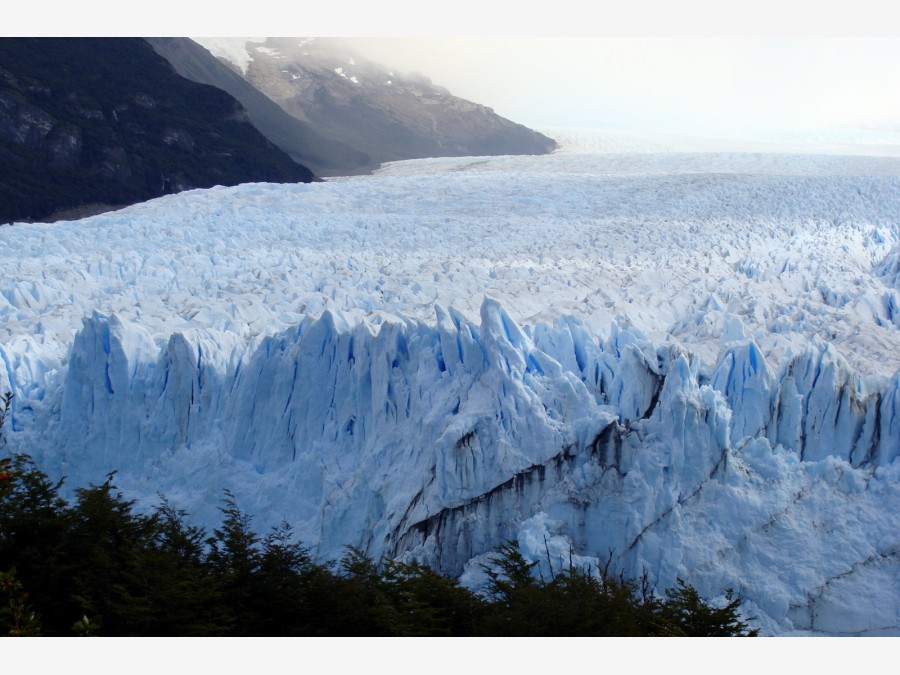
113,547
434,605
518,606
184,599
368,608
234,562
579,603
285,572
33,532
694,617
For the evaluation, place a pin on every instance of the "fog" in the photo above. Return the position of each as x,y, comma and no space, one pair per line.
675,80
712,86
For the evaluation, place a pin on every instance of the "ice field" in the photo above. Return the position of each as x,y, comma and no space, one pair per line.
689,358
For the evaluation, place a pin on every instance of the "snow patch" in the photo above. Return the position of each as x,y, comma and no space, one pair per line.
236,50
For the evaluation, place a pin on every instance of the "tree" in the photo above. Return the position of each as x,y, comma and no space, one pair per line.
694,617
110,548
285,573
433,603
17,617
518,602
577,602
394,598
234,562
33,532
183,592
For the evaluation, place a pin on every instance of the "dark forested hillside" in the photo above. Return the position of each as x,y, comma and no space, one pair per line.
107,121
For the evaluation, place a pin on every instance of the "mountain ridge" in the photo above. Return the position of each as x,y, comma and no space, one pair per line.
87,121
298,138
389,116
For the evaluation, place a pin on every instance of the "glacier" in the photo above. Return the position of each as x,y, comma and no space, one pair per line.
687,361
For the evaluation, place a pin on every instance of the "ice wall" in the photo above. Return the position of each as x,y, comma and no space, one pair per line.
440,440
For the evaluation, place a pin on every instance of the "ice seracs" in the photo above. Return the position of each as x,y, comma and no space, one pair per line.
689,361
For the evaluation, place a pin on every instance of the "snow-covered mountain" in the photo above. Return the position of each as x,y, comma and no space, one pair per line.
386,114
689,360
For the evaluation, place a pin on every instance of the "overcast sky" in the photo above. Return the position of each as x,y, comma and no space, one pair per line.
701,68
692,85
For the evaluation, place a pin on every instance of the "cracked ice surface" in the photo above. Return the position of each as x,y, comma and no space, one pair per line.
788,250
690,359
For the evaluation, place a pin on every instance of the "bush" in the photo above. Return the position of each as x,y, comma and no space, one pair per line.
578,603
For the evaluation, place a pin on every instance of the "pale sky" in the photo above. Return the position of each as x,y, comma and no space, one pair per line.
710,85
706,67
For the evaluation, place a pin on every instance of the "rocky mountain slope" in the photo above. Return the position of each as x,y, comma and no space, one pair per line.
387,115
86,123
297,138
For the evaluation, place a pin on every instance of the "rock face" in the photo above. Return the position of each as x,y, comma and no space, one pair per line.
297,138
103,121
386,115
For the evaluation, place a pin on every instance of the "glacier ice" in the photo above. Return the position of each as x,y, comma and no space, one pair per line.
694,370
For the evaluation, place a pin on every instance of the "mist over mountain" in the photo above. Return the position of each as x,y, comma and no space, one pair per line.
90,123
298,138
386,114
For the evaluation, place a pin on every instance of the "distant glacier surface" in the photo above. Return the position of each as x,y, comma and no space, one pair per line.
687,361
